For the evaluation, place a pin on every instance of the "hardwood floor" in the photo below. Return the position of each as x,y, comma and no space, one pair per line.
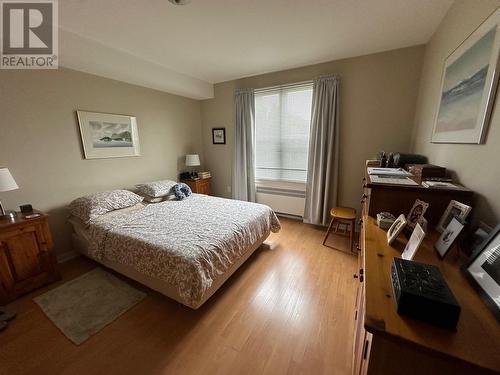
288,310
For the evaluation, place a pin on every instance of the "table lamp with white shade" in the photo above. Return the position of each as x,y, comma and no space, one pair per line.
192,160
7,183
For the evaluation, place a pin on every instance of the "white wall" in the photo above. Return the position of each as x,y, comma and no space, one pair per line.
40,139
476,166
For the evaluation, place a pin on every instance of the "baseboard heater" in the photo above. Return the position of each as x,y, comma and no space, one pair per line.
282,201
289,216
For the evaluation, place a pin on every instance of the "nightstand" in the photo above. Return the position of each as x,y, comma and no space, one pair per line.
200,186
27,260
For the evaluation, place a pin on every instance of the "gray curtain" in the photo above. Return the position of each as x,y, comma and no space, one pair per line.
244,145
322,170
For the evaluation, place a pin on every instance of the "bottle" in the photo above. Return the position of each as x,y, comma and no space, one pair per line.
390,160
383,160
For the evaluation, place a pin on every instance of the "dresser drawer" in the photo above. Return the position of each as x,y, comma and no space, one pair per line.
201,186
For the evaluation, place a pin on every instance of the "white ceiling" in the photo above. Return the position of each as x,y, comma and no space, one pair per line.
184,49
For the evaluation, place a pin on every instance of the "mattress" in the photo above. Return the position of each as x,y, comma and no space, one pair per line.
191,245
161,286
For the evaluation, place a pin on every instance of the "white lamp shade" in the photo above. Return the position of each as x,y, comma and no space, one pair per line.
192,160
7,182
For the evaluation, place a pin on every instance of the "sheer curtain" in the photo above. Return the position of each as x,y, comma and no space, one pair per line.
322,171
244,145
282,124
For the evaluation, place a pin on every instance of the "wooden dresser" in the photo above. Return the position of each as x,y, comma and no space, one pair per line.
388,343
27,260
200,186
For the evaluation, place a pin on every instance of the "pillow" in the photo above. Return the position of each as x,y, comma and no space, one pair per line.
182,191
122,211
157,188
91,206
150,199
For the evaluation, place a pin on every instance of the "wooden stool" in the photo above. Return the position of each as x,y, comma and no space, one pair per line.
346,216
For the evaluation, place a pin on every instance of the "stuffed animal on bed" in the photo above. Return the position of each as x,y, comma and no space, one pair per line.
182,191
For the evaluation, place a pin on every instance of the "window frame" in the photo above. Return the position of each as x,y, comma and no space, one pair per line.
272,181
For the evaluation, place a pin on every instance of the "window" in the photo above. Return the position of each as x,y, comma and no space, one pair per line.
282,124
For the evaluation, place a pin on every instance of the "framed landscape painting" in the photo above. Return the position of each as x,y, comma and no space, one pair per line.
107,135
468,87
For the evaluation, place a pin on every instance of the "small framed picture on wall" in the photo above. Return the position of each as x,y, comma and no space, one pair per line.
219,136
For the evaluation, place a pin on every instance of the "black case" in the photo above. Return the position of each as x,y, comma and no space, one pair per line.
421,292
185,176
400,159
26,208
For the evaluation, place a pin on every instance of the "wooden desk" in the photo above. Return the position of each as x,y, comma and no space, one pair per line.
387,343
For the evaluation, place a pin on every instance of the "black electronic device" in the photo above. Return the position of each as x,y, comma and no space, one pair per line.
421,292
185,176
400,159
26,208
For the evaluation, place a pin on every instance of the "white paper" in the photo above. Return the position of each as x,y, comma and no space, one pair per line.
415,240
391,180
448,237
388,171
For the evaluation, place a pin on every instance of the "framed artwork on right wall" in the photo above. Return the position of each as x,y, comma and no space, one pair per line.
468,86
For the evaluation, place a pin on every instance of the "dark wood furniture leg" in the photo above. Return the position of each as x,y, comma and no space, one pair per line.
329,230
351,237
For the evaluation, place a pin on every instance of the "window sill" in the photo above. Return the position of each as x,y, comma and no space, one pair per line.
298,186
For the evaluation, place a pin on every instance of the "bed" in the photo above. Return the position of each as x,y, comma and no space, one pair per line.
183,249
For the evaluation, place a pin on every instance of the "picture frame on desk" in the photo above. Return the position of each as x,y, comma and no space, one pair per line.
454,208
449,235
424,224
414,242
416,213
483,271
473,239
395,229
